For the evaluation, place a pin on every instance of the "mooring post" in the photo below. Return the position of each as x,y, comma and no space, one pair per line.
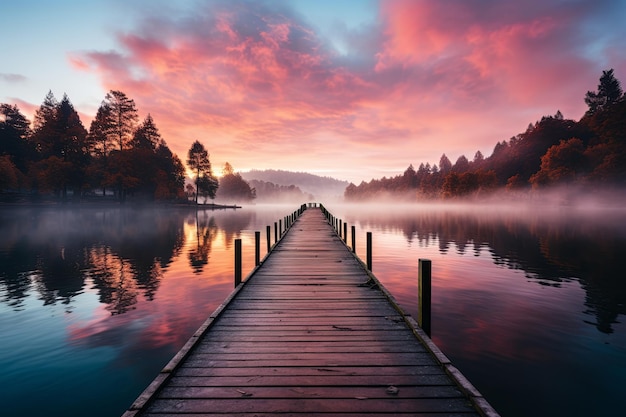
354,239
237,262
257,248
268,232
275,233
369,250
424,295
280,227
339,231
345,233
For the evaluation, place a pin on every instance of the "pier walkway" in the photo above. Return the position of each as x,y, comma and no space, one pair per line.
310,333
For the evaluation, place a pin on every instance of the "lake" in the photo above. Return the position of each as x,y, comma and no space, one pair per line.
528,302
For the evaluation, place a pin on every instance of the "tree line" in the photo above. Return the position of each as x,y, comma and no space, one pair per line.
119,156
552,151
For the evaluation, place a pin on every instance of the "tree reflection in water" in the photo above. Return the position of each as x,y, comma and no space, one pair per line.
206,233
551,245
61,253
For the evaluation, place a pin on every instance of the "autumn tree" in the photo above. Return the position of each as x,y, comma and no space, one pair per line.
9,174
561,163
198,161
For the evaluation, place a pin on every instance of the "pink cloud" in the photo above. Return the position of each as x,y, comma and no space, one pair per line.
433,77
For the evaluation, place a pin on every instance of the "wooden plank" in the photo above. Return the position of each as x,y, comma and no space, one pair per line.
309,380
305,405
307,334
315,391
368,371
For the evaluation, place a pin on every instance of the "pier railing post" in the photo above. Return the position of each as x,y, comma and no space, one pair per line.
354,239
424,295
257,248
237,262
275,233
345,232
369,250
268,231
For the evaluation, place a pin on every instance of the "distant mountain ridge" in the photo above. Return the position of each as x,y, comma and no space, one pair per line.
320,187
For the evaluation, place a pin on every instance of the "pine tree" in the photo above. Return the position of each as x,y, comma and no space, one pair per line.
609,92
121,118
147,136
98,132
198,161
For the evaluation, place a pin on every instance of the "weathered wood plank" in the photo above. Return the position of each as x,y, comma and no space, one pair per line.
314,391
303,405
276,371
310,381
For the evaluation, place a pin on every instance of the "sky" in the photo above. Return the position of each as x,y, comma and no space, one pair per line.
353,89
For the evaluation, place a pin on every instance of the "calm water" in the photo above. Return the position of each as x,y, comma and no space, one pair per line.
529,304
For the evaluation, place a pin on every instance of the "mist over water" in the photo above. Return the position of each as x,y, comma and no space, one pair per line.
527,296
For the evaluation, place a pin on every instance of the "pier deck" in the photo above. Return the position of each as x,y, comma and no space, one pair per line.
310,333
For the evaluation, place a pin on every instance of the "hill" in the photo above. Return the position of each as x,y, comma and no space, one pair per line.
322,188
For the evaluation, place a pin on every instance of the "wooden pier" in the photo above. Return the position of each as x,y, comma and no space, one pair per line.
310,332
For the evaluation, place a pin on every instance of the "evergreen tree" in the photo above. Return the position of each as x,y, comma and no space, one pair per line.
444,164
46,111
44,126
99,132
174,178
121,118
461,165
609,92
147,135
71,143
14,135
198,161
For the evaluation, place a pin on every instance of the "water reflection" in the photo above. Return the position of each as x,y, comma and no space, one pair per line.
59,253
105,297
550,245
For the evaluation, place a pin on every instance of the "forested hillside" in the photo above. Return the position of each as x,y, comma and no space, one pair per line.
552,151
319,187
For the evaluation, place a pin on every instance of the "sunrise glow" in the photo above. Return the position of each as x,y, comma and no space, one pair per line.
355,91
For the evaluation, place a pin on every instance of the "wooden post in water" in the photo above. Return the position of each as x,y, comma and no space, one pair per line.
280,227
257,248
369,250
424,295
354,239
339,231
345,232
268,231
237,262
275,233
